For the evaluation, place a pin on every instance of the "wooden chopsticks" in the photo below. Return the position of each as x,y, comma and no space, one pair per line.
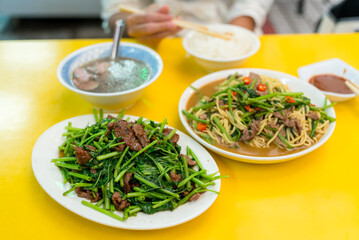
353,86
183,24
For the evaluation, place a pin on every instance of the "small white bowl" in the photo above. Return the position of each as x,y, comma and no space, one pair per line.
294,85
110,101
215,64
332,66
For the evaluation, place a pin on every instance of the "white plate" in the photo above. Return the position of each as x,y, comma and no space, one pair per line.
293,83
50,179
332,66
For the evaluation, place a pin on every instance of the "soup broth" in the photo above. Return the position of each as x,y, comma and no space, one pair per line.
107,76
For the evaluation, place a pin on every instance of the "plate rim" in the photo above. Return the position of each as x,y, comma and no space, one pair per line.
120,224
247,158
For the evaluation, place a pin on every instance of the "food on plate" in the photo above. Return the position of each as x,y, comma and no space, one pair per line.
255,115
330,83
240,44
130,167
108,76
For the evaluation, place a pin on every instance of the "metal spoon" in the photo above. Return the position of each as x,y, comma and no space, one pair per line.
120,25
116,67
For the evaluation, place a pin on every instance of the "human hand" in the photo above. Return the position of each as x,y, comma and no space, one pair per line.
244,21
152,27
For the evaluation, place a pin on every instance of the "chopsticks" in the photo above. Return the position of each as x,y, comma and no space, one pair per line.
353,86
182,24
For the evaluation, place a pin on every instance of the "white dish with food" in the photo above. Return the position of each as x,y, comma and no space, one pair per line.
215,53
74,78
244,150
50,178
334,67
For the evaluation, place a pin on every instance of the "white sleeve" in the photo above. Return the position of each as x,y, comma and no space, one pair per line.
257,9
110,7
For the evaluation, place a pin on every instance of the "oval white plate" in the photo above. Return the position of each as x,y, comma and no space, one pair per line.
293,83
50,179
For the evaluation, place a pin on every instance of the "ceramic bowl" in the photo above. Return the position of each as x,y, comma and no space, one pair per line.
332,66
215,64
110,101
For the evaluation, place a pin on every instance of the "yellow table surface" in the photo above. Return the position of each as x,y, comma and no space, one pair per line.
312,197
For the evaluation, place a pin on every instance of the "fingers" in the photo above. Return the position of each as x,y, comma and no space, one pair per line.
134,19
159,35
164,10
151,28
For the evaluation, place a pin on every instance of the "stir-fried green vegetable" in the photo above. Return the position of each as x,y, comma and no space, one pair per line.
155,178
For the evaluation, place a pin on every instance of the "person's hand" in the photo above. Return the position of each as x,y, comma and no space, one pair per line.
152,27
244,21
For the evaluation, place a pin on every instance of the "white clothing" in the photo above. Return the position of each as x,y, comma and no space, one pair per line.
200,11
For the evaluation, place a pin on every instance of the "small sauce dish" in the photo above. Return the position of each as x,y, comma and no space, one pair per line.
335,67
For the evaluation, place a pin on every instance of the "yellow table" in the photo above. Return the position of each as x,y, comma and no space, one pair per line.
312,197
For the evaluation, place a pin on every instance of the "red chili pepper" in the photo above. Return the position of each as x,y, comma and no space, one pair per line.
201,126
248,108
289,99
262,87
258,108
247,80
234,93
312,105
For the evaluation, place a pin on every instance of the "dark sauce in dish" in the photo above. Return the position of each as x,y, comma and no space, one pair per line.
330,83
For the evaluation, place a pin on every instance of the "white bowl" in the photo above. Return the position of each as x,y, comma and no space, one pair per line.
292,82
332,66
110,101
213,64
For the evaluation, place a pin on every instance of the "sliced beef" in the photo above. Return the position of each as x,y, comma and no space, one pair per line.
277,139
175,177
190,162
86,86
174,138
253,76
119,148
88,194
126,181
122,129
221,103
294,123
110,126
251,132
273,124
194,197
260,93
110,117
91,147
82,155
140,134
286,112
313,115
118,202
203,116
102,67
82,75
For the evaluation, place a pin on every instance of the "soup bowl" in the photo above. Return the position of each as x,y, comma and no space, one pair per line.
293,83
117,100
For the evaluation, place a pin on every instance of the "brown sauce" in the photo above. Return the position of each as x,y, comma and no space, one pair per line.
244,148
330,83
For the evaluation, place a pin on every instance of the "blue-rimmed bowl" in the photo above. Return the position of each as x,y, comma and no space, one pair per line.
110,101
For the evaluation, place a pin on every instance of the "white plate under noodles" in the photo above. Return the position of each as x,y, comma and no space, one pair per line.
294,84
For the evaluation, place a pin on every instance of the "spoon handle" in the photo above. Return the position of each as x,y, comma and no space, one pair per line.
116,39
